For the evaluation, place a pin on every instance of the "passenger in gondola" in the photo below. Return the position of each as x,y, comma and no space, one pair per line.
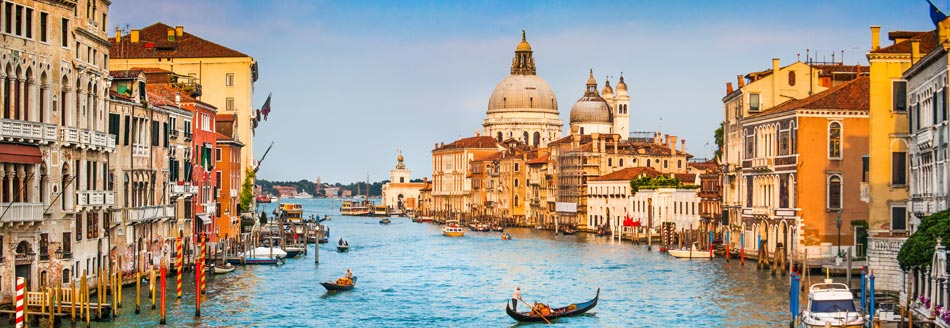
349,274
341,241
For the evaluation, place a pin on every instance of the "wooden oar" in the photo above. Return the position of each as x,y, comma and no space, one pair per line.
535,311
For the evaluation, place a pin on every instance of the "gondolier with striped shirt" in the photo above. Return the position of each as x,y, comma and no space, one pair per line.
515,297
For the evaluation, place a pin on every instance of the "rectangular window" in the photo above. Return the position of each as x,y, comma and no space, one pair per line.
165,135
898,218
18,21
938,105
229,103
155,133
8,18
900,95
65,33
865,167
67,244
128,124
78,227
28,19
103,23
44,25
217,154
229,79
898,168
754,102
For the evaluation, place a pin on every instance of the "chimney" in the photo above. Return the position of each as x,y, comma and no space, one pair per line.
728,88
875,37
672,144
134,36
616,141
666,140
775,68
741,81
914,51
171,34
683,148
118,35
179,31
595,138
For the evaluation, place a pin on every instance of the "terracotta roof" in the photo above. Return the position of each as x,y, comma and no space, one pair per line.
152,70
685,178
627,174
186,46
225,117
852,95
539,160
116,95
705,166
927,42
489,157
220,136
894,35
126,74
163,94
473,142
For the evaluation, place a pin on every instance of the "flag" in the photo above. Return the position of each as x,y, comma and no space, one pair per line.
628,222
936,16
266,108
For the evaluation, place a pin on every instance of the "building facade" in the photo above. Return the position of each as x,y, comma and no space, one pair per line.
401,194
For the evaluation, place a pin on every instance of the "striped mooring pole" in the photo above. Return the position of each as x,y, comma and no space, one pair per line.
179,264
203,264
20,283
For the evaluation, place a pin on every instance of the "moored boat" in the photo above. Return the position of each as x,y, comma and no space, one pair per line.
452,229
831,305
497,227
222,269
385,221
293,251
380,210
536,314
340,284
692,253
262,199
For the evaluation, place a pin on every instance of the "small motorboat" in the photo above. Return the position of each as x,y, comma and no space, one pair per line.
384,221
343,248
505,236
831,305
535,314
293,251
222,269
452,229
568,230
265,252
497,228
340,284
692,253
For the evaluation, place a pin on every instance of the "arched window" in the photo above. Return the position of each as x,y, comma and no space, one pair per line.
791,78
610,162
516,200
499,136
537,139
621,162
834,192
834,140
516,182
648,162
525,138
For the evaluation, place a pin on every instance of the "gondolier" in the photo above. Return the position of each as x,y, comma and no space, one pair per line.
515,297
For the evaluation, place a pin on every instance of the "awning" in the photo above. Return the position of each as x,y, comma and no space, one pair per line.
205,219
21,154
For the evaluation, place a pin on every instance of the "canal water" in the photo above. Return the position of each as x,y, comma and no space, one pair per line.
410,275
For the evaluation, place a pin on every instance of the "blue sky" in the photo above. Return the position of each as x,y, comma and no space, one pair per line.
355,81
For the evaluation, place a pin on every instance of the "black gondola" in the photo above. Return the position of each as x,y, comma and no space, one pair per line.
384,221
332,286
343,248
565,311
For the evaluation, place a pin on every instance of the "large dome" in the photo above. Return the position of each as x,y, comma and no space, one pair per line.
522,93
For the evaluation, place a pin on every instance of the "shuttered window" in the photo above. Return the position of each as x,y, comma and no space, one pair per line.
128,124
900,95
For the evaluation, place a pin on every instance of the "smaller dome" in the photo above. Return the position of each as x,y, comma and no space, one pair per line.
591,110
621,86
607,89
523,45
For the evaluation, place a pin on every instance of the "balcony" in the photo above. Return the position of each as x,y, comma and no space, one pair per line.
69,136
760,211
173,133
187,135
786,160
95,198
140,150
924,138
26,131
234,192
865,192
149,213
762,164
22,212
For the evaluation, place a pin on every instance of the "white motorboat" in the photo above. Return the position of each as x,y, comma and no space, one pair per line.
265,252
222,269
692,253
452,229
831,305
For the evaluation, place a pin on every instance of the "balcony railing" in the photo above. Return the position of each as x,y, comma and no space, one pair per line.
69,135
139,150
760,211
110,143
173,133
85,137
762,164
786,160
924,138
21,212
34,132
89,198
148,213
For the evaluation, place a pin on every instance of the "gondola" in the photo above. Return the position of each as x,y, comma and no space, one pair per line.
384,221
332,286
565,311
343,248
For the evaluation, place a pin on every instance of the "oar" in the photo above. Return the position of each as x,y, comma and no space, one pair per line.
535,311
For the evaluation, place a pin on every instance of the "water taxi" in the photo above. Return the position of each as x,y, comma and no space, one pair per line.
294,212
692,253
831,305
351,208
380,210
452,229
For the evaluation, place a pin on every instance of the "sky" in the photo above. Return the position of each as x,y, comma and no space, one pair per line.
355,82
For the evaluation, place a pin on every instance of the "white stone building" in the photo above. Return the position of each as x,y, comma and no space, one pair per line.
399,194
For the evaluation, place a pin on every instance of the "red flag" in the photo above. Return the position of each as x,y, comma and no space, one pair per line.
265,110
628,222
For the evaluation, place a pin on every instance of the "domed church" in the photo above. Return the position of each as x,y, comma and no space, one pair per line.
523,106
602,113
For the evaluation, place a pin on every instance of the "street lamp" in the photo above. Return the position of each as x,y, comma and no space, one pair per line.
838,224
